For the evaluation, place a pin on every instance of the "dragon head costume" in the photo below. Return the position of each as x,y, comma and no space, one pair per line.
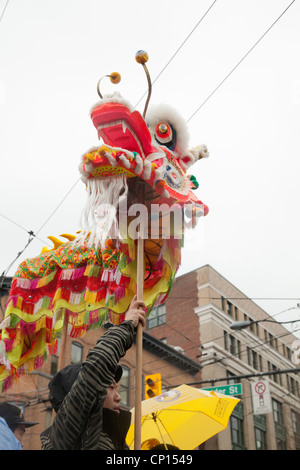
91,278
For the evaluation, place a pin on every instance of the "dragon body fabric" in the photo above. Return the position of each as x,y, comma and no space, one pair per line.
91,278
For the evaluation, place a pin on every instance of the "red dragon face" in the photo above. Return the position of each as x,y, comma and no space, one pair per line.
156,150
118,126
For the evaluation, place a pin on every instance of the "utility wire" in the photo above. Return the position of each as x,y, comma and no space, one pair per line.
253,346
259,343
65,197
240,61
284,334
2,277
261,346
245,376
237,298
32,235
21,227
175,53
2,14
228,75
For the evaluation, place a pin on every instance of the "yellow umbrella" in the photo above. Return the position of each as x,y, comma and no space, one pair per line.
184,417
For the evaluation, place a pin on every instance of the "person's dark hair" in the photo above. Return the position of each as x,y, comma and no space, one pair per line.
62,382
163,447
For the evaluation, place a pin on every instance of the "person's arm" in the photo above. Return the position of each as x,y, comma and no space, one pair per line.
95,376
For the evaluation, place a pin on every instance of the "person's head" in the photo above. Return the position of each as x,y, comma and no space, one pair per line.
112,399
14,418
62,383
165,447
154,444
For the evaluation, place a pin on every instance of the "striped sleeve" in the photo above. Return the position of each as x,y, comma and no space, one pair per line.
94,378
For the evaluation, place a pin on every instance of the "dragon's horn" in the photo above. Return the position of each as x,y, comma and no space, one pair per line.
142,57
115,77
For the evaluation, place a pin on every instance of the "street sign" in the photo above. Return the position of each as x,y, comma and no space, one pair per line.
261,397
234,389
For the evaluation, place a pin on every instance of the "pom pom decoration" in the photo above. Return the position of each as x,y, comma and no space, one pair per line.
141,57
91,278
115,77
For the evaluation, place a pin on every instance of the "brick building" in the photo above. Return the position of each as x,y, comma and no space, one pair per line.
31,391
189,340
199,314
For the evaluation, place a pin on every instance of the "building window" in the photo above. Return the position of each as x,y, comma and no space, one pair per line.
279,425
292,385
260,363
235,313
283,350
249,356
237,427
239,352
271,340
254,360
260,432
236,421
231,344
229,308
157,316
76,352
225,340
296,429
125,386
237,433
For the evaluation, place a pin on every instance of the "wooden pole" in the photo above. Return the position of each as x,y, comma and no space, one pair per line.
63,340
139,336
62,349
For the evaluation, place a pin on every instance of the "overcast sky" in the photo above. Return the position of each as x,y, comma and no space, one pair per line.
52,54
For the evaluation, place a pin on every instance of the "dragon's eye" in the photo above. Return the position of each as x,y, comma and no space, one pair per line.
164,135
163,129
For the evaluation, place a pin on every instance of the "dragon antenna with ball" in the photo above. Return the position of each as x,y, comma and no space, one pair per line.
141,57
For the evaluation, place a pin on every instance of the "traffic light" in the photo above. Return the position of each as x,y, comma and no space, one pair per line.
152,385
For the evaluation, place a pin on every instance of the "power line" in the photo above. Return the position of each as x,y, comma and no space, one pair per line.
240,61
2,14
21,227
246,376
175,53
215,362
258,343
190,116
2,277
33,235
236,298
275,315
65,197
253,346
